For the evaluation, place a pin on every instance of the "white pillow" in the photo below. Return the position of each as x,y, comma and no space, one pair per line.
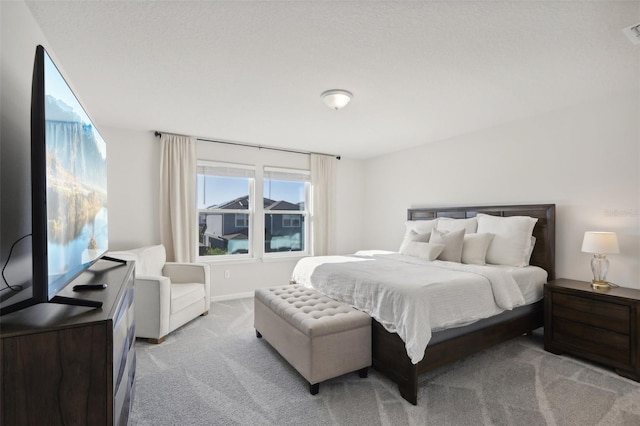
449,224
512,238
419,226
533,244
474,248
428,251
452,244
414,236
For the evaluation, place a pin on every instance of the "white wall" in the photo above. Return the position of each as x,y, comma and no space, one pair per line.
350,206
133,175
134,169
585,159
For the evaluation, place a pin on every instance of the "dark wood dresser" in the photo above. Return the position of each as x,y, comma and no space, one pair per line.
71,365
599,325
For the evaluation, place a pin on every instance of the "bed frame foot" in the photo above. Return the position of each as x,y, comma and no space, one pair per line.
363,372
314,389
409,391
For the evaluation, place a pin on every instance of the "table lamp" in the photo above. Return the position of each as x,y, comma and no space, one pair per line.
600,244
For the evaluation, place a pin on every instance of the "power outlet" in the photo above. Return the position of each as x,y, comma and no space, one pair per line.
227,273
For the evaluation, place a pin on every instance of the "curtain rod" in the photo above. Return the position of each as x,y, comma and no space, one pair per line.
158,134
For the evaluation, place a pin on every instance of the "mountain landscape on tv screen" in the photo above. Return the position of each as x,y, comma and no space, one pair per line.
76,188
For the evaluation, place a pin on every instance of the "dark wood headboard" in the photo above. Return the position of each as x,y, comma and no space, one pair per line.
544,252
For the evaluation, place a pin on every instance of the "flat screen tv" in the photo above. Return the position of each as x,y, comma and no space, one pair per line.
68,187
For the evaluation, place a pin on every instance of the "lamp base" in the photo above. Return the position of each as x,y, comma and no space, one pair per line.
600,285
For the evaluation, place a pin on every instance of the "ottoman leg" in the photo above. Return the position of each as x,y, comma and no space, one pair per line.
258,335
363,372
314,389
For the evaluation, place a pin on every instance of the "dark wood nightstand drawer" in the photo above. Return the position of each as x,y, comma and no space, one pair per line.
609,316
610,345
597,324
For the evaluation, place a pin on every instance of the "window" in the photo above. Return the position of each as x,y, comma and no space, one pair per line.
242,220
225,210
290,221
286,194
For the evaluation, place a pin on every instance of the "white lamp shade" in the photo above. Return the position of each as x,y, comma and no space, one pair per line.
336,99
600,242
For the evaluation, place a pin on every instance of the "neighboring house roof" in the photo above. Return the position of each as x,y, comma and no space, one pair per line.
236,236
282,205
242,203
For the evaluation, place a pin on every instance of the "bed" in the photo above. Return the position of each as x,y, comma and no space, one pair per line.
393,356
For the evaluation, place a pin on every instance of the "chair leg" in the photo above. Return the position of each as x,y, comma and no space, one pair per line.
204,314
363,372
314,389
258,335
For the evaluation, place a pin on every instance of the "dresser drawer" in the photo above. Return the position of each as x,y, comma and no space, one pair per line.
612,346
605,315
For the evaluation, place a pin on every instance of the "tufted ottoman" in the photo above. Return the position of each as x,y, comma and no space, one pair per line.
319,337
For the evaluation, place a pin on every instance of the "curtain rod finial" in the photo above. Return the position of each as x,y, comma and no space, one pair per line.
157,134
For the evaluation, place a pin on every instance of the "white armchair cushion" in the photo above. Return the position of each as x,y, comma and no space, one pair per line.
149,260
183,295
152,260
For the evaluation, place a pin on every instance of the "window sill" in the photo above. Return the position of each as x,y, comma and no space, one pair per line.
265,259
214,260
284,258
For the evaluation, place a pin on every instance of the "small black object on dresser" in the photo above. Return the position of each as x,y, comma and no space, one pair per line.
598,325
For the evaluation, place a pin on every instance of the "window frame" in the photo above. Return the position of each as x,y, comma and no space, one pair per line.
305,213
249,212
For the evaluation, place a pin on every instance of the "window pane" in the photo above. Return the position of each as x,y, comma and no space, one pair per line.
284,195
284,232
222,192
223,233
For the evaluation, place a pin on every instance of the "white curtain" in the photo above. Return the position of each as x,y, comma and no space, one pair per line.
323,184
177,197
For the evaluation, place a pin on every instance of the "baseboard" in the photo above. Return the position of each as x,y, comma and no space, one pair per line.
232,296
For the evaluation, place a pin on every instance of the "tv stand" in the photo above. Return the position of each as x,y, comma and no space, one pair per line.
65,364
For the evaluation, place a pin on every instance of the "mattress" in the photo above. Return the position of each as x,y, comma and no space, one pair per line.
413,297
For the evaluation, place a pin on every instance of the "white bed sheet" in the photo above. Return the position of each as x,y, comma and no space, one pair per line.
411,296
530,279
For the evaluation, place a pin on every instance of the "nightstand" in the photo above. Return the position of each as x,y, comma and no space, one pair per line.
599,325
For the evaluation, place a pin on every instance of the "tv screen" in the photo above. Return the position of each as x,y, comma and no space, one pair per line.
70,214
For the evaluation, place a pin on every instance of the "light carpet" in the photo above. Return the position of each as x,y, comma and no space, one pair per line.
214,371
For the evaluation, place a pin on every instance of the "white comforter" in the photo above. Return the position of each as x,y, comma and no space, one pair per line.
411,296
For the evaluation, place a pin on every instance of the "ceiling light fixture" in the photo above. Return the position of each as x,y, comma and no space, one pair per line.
336,98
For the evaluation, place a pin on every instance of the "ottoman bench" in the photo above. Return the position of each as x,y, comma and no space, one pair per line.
318,336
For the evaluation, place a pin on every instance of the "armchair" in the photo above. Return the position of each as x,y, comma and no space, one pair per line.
167,294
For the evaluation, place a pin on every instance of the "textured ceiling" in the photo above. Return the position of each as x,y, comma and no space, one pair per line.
419,71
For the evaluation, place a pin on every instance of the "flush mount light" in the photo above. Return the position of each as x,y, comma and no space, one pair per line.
336,98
